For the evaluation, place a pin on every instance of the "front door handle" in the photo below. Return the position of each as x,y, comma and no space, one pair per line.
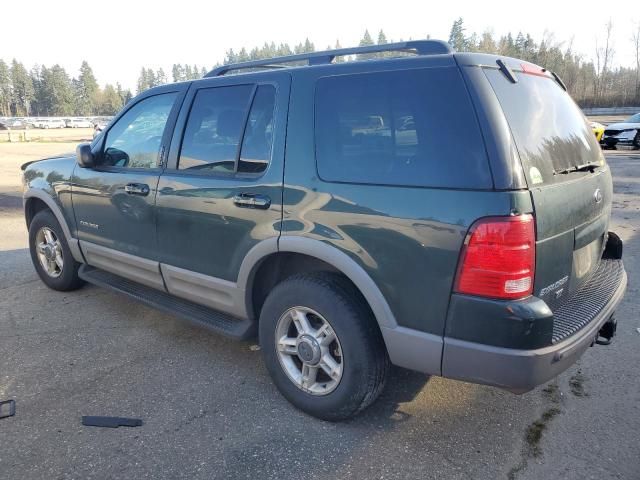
252,200
137,189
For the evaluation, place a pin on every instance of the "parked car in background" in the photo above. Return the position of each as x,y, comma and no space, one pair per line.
78,123
47,123
623,133
15,123
598,130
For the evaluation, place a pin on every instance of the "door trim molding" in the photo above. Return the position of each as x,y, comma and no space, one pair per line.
205,290
132,267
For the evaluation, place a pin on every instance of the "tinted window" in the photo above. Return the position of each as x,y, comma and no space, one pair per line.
258,135
549,129
214,129
412,127
134,140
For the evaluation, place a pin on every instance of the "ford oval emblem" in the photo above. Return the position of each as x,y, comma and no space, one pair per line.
597,195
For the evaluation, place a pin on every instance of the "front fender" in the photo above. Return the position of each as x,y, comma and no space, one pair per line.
49,182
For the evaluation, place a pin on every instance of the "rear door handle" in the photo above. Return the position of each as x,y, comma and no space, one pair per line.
252,200
137,189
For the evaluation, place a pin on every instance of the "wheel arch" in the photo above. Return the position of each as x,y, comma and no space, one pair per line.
36,200
315,254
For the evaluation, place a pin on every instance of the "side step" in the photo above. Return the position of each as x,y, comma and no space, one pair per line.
207,317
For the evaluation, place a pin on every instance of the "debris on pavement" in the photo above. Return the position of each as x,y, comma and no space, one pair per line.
110,422
7,408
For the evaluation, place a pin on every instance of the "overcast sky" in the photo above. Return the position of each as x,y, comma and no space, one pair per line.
118,37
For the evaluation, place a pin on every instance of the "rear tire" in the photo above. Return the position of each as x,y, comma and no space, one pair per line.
636,141
358,357
51,255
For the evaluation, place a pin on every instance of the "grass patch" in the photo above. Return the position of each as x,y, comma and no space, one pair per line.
576,384
536,429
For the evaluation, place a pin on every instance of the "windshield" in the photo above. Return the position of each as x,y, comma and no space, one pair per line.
634,118
550,131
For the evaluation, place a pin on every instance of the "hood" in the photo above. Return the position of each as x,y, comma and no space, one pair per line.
24,166
623,126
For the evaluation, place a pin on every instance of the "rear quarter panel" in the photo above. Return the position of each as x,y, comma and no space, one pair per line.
407,239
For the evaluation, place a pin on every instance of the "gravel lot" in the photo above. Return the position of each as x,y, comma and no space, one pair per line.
210,410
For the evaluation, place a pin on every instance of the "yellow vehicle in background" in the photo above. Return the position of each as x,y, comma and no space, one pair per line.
598,130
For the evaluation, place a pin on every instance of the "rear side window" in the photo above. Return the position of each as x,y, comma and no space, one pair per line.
410,127
218,123
549,129
214,129
258,134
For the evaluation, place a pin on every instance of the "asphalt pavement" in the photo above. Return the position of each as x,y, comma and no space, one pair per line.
210,410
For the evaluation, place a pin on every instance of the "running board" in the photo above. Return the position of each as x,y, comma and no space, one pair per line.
207,317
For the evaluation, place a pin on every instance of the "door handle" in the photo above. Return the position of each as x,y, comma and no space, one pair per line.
252,200
137,189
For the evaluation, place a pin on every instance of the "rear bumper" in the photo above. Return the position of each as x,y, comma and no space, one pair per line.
522,370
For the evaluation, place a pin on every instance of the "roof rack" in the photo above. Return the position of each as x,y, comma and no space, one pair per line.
419,47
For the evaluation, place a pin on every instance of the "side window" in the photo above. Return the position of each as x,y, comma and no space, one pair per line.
258,135
214,129
412,127
134,140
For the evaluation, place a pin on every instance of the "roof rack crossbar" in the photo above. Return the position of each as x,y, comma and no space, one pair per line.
419,47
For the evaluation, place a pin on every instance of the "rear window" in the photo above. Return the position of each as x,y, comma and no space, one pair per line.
410,127
549,129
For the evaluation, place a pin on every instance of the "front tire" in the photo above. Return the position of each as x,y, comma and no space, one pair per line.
636,141
322,346
51,255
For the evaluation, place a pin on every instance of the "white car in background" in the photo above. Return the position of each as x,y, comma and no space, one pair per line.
624,133
47,123
78,123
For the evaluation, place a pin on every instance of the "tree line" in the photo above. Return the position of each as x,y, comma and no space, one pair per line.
592,81
50,91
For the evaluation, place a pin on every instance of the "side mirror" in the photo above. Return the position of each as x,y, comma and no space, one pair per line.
84,155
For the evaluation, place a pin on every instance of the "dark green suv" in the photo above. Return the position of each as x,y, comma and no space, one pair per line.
443,212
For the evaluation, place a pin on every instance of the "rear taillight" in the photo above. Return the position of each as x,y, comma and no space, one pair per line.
498,258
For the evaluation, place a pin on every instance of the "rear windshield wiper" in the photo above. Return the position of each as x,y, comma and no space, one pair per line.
589,167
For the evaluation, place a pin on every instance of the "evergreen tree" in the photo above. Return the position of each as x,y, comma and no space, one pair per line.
457,39
5,89
161,77
177,72
22,93
86,90
57,92
40,100
111,101
365,42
